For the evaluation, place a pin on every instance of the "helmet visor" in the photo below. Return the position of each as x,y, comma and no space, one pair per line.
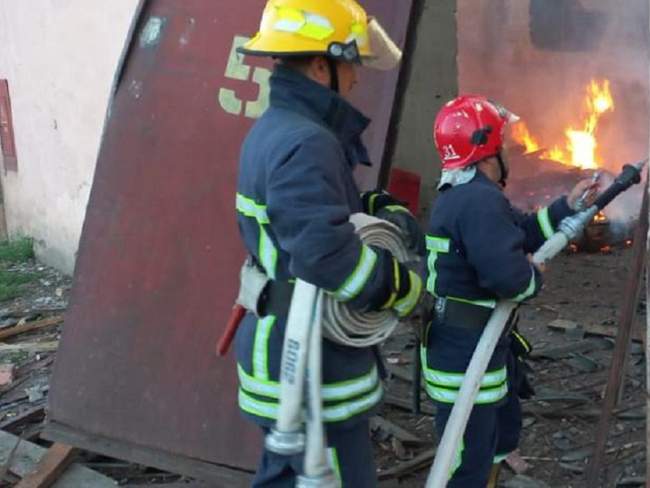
386,55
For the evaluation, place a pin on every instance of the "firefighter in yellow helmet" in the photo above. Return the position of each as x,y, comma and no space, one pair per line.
295,195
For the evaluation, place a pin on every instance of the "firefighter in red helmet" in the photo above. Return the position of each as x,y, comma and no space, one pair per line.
478,252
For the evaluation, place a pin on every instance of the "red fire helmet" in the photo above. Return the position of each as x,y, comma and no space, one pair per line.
470,129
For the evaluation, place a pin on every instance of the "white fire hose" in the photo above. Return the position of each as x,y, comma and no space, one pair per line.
312,314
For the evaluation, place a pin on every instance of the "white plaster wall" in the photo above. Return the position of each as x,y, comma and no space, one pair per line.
59,57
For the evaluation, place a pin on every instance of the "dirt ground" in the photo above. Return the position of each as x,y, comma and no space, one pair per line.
570,374
570,367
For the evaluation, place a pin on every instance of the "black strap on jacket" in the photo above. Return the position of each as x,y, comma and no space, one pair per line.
460,314
276,298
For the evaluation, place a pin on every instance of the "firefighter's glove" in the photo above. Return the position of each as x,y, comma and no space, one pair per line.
384,206
374,201
405,290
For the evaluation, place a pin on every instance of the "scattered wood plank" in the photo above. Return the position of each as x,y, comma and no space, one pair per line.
192,484
598,330
34,366
551,395
421,461
30,347
57,459
28,455
400,372
30,327
34,414
405,404
567,350
4,469
395,430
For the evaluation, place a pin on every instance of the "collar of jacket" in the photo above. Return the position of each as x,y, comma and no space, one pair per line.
483,179
293,91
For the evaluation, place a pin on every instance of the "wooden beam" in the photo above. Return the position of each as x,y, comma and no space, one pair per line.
623,340
50,468
601,330
49,346
421,461
30,327
33,414
647,357
22,458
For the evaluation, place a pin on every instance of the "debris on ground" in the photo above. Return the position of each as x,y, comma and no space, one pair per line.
572,326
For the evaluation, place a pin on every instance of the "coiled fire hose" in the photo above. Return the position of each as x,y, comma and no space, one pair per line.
314,314
569,229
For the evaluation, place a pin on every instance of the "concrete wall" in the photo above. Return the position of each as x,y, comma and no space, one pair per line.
432,80
59,57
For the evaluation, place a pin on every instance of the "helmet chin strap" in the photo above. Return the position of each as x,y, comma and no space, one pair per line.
334,74
504,170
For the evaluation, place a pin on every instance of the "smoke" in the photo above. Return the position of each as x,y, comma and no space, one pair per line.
624,211
537,56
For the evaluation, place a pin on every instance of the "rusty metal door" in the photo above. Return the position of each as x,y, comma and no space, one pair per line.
136,375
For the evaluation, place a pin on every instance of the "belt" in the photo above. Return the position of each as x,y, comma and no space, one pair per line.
460,314
276,298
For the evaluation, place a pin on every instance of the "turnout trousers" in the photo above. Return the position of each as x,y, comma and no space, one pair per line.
494,425
492,433
350,453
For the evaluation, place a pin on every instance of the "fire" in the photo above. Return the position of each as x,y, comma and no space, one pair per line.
522,135
581,146
600,217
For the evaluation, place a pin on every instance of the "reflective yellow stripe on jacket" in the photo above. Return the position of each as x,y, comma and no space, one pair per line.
267,252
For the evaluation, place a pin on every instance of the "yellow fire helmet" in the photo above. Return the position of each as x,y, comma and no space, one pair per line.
338,29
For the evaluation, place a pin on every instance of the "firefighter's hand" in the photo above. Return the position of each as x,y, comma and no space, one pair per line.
589,188
541,267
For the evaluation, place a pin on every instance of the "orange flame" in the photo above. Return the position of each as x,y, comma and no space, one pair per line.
522,135
581,146
600,217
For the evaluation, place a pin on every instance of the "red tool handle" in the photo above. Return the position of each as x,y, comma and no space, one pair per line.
236,317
